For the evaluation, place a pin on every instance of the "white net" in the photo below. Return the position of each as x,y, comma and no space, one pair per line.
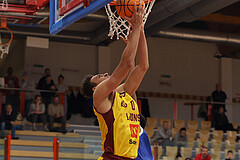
120,26
4,49
4,4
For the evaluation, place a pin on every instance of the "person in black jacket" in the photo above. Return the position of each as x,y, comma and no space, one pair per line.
222,122
42,81
8,118
218,96
48,85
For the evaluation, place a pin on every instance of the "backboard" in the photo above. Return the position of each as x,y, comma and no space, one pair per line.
22,12
65,12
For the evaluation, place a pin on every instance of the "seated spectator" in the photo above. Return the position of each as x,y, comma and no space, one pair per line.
181,139
36,112
229,155
56,113
203,155
164,133
8,118
221,121
163,136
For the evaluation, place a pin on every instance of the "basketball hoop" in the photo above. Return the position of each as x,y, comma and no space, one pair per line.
4,4
4,47
120,26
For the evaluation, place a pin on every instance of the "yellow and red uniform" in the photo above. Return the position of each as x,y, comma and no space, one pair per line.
120,128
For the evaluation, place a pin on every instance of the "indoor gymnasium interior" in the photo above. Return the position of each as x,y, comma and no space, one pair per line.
189,97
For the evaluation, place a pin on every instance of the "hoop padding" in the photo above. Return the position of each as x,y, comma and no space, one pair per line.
4,47
120,26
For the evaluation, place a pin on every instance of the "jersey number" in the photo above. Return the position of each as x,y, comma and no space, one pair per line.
132,104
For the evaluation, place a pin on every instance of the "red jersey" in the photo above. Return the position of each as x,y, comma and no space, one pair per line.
199,157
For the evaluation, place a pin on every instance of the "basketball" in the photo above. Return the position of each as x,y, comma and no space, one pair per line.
126,7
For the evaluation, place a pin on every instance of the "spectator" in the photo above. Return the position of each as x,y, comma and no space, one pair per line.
222,122
41,82
37,111
56,113
163,136
8,118
12,97
28,84
181,139
61,87
218,96
229,155
203,155
48,86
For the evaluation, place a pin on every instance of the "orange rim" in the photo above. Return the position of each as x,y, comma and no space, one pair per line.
5,44
114,3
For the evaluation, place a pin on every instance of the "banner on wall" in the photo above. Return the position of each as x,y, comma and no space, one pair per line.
165,80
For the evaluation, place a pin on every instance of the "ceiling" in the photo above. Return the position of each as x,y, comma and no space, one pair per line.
203,16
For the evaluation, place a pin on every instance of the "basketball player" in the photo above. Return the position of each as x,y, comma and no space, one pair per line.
116,110
144,150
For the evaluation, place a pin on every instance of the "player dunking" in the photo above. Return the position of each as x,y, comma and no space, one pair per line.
116,110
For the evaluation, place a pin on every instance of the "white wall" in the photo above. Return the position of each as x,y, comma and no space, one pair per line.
236,77
72,60
191,65
236,88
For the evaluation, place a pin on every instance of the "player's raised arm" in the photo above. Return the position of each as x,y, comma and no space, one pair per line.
105,88
136,75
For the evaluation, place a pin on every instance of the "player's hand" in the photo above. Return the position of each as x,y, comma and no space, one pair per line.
136,21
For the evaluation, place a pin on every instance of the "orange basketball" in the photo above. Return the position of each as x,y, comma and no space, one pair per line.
126,7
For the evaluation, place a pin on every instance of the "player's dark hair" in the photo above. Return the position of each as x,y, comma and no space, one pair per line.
87,86
142,121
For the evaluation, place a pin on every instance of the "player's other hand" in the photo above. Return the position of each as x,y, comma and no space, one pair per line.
136,21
